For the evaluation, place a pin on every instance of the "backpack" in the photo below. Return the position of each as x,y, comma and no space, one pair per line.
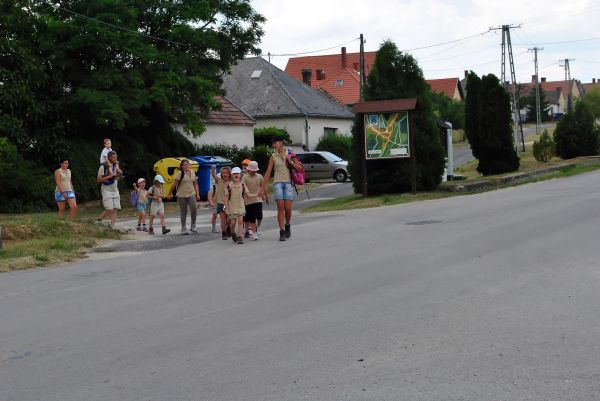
133,198
296,175
243,190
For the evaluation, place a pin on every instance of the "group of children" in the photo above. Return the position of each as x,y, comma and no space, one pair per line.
236,197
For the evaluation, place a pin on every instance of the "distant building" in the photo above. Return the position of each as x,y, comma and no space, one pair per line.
588,87
229,126
275,99
339,75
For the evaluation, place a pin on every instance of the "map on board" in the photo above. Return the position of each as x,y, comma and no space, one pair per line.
386,135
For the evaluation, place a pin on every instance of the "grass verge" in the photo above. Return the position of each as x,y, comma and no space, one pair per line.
36,240
358,202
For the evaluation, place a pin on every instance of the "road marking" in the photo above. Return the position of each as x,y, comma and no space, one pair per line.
225,308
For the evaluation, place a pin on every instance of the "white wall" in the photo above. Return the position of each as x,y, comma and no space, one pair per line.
295,127
238,135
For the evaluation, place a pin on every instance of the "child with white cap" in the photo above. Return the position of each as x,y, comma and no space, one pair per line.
157,207
142,197
253,182
234,205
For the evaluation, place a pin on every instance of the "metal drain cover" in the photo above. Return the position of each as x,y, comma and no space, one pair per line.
423,222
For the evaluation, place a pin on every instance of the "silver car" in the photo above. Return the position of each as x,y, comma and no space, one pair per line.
319,165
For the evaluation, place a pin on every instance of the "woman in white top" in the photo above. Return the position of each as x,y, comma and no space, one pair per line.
64,192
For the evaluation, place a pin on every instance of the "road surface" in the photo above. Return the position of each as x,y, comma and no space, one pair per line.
493,296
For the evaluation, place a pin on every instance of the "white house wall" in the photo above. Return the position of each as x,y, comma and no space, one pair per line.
238,135
295,127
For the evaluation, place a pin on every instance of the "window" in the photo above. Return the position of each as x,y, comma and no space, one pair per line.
320,75
256,74
329,131
339,82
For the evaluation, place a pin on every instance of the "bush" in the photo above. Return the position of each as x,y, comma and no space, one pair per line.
577,134
264,136
340,145
488,126
23,186
544,148
261,154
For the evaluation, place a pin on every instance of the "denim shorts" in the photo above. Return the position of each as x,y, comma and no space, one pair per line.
61,198
283,191
220,208
141,206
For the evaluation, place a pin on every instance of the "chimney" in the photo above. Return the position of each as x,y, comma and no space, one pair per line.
543,79
344,61
593,80
306,76
466,74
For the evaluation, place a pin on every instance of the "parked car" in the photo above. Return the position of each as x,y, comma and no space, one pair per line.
323,165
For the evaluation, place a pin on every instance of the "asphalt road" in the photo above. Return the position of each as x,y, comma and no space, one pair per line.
493,296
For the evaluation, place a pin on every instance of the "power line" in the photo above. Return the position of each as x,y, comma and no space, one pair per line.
562,42
120,28
309,52
445,43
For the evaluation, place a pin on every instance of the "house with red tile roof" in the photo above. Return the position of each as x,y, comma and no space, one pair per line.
589,86
227,125
558,93
450,87
338,75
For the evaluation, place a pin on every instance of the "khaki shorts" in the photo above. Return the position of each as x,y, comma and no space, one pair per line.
157,208
111,203
233,216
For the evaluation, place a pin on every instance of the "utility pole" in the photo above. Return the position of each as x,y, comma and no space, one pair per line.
365,189
538,114
269,54
507,44
565,63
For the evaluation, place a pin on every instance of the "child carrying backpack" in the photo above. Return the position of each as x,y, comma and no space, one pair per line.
138,199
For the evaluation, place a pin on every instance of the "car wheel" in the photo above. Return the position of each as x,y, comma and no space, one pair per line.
340,175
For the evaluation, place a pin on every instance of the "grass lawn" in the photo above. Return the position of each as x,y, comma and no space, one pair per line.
528,163
40,239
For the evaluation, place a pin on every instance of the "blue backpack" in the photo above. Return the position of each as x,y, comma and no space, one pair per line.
133,198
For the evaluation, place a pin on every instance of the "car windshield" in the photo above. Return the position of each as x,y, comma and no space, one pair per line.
331,157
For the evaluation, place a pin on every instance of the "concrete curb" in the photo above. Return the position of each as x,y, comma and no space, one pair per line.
495,182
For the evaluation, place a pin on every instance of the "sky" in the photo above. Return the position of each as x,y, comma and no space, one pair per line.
295,26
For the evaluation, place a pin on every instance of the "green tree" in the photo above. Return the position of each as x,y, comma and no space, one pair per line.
76,71
488,126
397,75
576,133
592,101
449,110
530,104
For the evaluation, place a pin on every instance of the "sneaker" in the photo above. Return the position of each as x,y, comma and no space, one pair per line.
288,231
151,231
145,229
184,231
139,228
214,230
193,230
165,230
247,235
223,235
254,237
240,240
281,235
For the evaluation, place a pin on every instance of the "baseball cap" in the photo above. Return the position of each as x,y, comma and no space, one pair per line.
159,178
140,180
246,161
253,166
236,170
